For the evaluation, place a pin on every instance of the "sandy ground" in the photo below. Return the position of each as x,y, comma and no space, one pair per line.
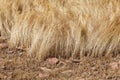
15,65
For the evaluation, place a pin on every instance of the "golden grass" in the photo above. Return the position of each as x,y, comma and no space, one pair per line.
66,28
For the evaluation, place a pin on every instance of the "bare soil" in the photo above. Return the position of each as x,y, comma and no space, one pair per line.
15,65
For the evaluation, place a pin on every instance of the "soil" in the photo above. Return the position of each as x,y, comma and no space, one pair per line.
16,65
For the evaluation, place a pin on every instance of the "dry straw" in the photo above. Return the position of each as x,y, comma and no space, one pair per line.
66,28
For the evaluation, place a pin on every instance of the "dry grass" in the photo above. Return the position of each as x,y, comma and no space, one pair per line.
67,28
86,30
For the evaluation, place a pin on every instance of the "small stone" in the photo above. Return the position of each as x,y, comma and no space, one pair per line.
114,65
52,61
46,69
43,75
3,45
66,72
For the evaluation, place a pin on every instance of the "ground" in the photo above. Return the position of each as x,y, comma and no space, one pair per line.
16,65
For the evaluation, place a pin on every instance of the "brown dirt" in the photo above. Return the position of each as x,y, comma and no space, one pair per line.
15,65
